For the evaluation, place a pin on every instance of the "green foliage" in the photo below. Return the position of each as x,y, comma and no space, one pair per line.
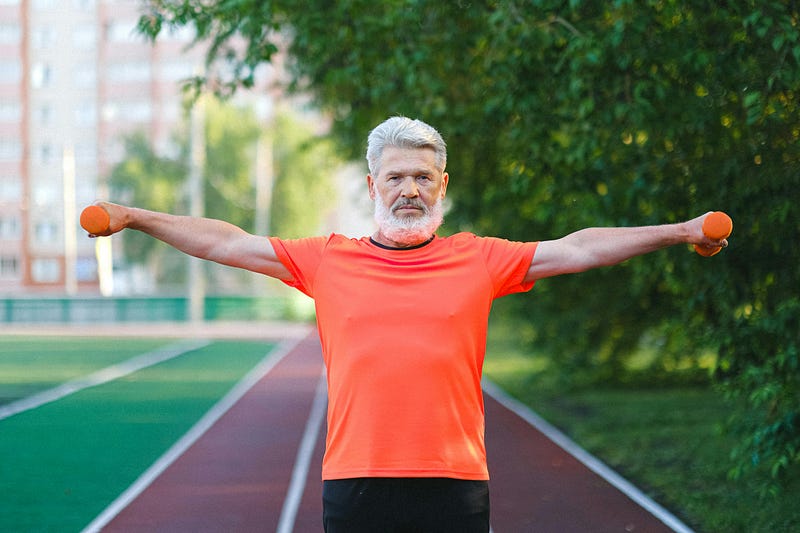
228,67
665,439
561,115
156,182
231,134
303,189
147,180
761,363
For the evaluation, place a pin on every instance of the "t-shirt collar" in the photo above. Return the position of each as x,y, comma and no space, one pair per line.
415,247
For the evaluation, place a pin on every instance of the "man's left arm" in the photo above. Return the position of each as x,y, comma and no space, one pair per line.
596,247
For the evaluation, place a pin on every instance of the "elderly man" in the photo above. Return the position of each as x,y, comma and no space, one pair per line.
402,316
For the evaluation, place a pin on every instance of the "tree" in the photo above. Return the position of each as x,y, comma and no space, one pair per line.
562,114
231,134
146,179
302,190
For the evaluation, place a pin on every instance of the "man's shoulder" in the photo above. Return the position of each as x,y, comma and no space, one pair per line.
319,240
488,246
467,238
462,237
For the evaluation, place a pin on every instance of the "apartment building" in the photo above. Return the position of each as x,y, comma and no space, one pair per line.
75,77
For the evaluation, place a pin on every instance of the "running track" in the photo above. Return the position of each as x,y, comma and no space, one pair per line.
236,476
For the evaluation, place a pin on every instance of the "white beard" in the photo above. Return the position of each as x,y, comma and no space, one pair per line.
409,230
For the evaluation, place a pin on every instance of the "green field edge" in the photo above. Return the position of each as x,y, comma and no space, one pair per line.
64,462
31,365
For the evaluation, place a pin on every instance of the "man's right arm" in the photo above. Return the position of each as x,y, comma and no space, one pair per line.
214,240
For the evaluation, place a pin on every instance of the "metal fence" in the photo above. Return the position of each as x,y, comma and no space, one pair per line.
141,309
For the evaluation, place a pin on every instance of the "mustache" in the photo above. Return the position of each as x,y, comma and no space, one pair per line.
409,202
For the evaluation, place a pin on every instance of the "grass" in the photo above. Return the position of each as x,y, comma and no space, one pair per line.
30,365
669,441
64,462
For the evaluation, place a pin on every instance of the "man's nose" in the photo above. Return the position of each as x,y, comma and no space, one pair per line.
410,189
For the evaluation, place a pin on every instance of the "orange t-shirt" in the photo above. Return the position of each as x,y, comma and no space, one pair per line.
403,337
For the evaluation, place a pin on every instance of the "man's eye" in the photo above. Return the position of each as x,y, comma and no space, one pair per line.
424,178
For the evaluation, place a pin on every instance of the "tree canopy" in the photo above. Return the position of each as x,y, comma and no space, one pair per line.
571,113
300,164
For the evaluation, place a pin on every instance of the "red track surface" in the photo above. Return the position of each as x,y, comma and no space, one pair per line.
235,477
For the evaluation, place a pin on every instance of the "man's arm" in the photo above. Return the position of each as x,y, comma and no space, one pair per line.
205,238
595,247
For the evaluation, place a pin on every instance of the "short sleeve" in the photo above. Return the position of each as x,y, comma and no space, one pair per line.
302,258
507,263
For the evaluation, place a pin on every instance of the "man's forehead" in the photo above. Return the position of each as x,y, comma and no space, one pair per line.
408,160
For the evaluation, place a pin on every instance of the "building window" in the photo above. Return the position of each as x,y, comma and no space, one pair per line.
46,270
135,111
41,76
46,195
10,71
9,227
129,72
44,37
10,150
45,153
9,267
86,114
44,114
10,112
86,269
122,32
84,38
85,76
43,5
10,34
10,189
46,232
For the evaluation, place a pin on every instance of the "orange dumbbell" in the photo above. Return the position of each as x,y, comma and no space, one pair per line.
95,220
717,225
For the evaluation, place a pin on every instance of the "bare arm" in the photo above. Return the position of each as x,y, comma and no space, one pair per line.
214,240
596,247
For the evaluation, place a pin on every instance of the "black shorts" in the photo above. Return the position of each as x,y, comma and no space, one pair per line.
395,505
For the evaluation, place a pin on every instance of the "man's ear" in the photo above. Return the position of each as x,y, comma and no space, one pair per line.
371,187
445,181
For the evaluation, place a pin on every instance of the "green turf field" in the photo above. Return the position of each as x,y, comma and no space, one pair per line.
64,462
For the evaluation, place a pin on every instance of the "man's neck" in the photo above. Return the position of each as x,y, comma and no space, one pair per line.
381,240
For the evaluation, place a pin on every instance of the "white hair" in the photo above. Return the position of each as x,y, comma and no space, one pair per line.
403,132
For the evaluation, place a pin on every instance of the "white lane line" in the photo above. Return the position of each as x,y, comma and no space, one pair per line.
184,443
304,455
590,461
104,375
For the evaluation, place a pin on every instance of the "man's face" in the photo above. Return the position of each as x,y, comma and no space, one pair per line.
408,192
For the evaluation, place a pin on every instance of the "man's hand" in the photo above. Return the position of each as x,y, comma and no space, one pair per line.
116,214
716,227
